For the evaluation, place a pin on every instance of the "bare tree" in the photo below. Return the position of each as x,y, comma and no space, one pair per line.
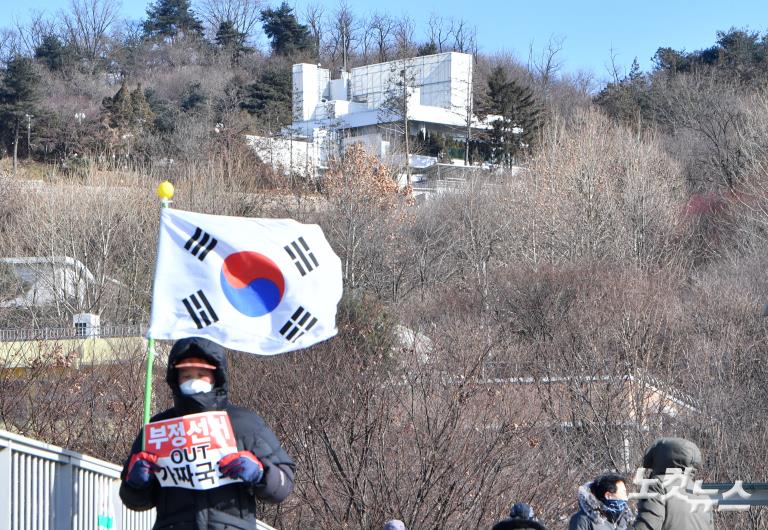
582,205
394,110
546,64
437,32
32,32
343,36
464,36
87,25
381,29
713,111
313,18
9,44
404,37
242,14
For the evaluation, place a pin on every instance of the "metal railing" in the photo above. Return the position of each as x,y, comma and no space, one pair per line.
44,487
105,331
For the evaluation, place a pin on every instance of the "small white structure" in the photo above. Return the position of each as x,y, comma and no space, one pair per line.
48,280
292,154
87,325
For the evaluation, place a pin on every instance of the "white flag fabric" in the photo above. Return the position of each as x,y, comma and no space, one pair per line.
262,286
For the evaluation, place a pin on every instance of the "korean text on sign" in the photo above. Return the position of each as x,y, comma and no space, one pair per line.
188,449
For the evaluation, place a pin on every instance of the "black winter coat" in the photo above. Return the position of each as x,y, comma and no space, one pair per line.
591,516
663,511
230,506
517,523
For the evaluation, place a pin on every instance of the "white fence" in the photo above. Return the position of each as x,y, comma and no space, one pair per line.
44,487
70,332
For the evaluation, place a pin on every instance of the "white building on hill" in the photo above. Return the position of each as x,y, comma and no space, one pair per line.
332,113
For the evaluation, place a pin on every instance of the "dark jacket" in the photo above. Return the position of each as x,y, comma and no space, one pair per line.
591,516
229,506
517,523
674,512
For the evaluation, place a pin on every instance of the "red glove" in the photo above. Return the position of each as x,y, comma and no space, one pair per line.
141,469
243,465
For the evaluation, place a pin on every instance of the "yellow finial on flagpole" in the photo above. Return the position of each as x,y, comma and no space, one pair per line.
165,192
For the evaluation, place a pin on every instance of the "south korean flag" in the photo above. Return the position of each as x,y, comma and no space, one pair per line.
262,286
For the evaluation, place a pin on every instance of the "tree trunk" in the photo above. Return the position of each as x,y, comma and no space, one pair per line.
15,147
405,128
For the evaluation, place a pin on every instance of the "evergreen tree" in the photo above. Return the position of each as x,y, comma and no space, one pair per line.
141,113
193,97
171,18
269,99
672,61
53,53
18,99
228,38
282,27
393,111
515,131
165,113
128,111
119,108
430,48
629,99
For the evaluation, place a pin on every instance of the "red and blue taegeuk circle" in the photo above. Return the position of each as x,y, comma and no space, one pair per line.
252,283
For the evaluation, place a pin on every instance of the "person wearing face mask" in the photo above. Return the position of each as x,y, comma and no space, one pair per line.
197,376
603,505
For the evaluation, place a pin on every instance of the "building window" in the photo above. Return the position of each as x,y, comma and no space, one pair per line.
80,329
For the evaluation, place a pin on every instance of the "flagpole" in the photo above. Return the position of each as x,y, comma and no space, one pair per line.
165,192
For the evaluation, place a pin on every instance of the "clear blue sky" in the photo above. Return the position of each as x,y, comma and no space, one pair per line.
590,28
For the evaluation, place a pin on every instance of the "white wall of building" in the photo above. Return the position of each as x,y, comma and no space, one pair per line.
442,81
350,108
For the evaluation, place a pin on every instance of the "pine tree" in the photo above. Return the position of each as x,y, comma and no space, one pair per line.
193,97
128,111
232,40
282,27
171,18
516,130
628,100
119,108
141,114
18,98
53,53
269,99
393,111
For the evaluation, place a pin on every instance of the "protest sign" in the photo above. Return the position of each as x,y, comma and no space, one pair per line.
189,447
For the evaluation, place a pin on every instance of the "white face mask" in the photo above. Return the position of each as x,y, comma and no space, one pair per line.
195,386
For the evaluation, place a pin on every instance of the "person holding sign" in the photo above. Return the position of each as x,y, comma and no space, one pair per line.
204,462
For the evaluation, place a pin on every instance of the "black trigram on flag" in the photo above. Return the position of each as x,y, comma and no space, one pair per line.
200,309
302,257
301,322
200,244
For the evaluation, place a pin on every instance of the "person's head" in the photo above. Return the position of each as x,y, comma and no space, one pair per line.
609,486
611,490
521,510
195,375
521,517
394,524
672,453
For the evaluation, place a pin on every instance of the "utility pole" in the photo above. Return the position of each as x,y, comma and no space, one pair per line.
29,134
405,127
469,112
344,47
